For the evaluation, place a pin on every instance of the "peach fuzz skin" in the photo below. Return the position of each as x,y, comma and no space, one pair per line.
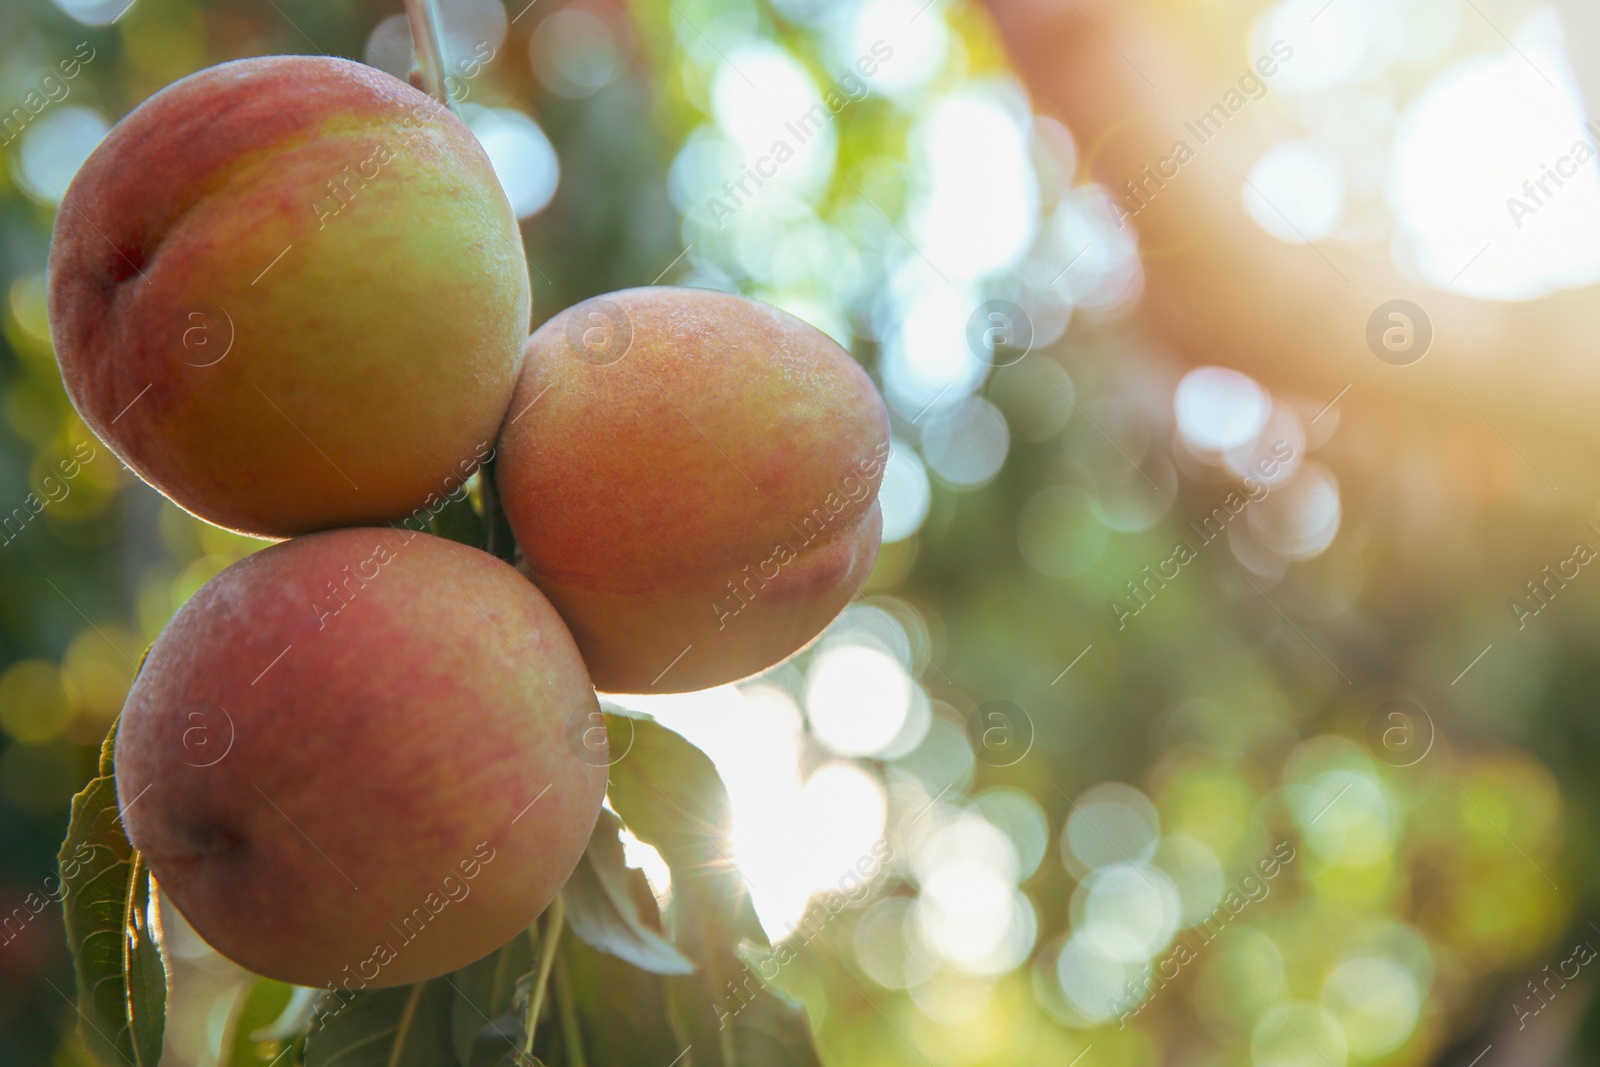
290,293
693,479
393,798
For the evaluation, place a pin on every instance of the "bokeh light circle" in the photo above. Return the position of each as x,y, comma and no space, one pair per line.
1128,911
967,444
522,156
1376,1002
55,146
581,48
1296,192
1110,823
1218,409
1297,1034
857,699
904,495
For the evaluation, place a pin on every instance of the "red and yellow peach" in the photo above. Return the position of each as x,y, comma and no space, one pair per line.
692,477
348,758
289,292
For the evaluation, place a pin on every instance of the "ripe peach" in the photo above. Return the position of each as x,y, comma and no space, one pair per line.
693,479
348,759
291,294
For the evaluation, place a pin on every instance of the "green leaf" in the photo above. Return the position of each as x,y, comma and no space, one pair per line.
117,958
602,910
670,796
772,1031
728,1011
619,1012
406,1026
771,1028
247,1046
668,793
482,1012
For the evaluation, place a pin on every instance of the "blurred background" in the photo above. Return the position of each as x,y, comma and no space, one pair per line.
1224,693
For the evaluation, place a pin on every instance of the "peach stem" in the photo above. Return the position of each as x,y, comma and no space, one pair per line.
428,73
555,918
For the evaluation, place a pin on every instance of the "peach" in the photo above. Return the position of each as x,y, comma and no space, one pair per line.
290,293
350,759
693,479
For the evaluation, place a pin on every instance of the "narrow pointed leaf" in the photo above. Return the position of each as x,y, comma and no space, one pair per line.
668,793
602,906
117,957
770,1028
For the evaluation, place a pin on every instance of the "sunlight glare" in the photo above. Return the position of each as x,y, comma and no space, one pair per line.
1474,181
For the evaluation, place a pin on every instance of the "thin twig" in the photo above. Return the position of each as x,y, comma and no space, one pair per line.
571,1039
428,72
554,919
